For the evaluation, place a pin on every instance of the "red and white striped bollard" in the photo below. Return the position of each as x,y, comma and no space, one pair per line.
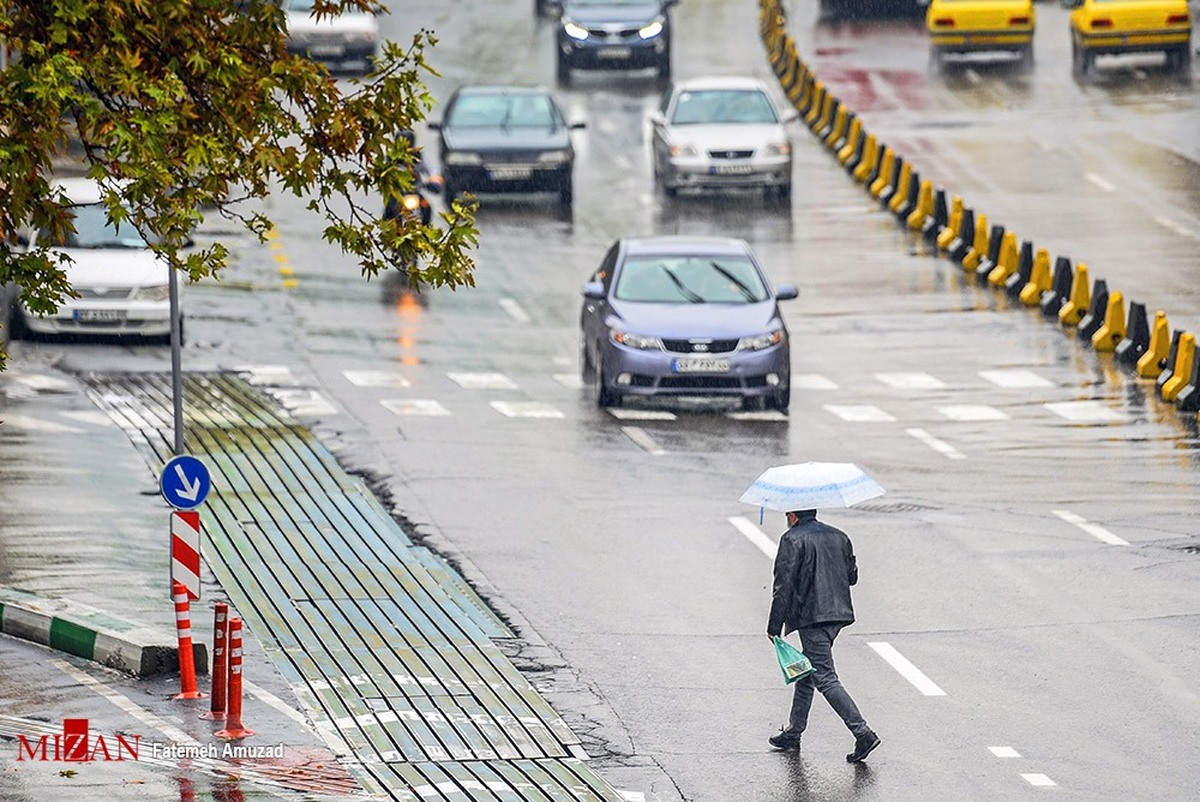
220,662
233,714
187,661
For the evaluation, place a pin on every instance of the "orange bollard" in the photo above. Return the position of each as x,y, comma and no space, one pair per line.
233,714
220,666
187,659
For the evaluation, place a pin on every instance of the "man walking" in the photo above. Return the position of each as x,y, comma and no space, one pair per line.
814,569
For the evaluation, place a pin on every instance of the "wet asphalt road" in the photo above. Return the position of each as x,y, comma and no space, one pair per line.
1003,442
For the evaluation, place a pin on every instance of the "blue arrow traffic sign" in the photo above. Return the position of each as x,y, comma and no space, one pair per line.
185,482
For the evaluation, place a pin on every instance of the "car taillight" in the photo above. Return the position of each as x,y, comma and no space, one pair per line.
1102,23
1177,19
1018,21
943,22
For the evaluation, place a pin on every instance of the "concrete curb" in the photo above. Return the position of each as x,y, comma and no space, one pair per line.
86,632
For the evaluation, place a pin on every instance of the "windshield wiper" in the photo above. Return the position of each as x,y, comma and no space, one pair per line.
679,285
737,282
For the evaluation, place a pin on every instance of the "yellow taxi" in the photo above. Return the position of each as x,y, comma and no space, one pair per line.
973,26
1101,27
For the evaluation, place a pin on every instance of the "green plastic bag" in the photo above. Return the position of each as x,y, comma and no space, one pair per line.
792,662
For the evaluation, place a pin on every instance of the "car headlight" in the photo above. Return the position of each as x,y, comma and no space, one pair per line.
779,149
555,157
463,157
635,340
652,30
159,292
761,341
684,150
412,202
575,31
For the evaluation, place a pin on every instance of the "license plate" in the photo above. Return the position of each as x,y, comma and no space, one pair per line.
614,52
731,169
99,316
983,40
326,50
510,173
700,365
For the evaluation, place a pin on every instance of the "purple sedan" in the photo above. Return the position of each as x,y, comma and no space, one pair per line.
684,316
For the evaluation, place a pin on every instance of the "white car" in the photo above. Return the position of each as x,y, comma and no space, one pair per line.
348,37
123,286
721,132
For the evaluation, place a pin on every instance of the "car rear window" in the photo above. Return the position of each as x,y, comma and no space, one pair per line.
503,111
690,279
723,106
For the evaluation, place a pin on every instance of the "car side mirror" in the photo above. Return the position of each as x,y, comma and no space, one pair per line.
658,118
786,292
578,126
434,125
790,116
593,290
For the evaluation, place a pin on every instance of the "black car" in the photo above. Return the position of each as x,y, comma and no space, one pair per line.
614,35
505,139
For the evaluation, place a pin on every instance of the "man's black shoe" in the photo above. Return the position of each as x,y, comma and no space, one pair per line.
785,740
863,745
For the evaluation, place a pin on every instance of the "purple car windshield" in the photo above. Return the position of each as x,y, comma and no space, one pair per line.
690,279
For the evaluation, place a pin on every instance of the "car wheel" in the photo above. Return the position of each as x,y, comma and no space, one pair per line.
16,324
587,371
781,193
1181,61
663,71
1026,60
563,69
781,400
752,403
604,396
566,193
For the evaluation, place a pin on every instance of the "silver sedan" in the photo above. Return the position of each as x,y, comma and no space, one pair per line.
721,132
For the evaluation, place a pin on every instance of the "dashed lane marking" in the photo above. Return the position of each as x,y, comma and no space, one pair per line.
482,381
911,381
638,435
514,310
303,402
632,796
526,409
1015,378
1039,780
1100,182
1178,228
416,407
572,380
906,669
270,375
971,412
1098,532
640,414
812,381
764,414
940,446
1003,751
124,703
755,535
1084,411
859,413
375,378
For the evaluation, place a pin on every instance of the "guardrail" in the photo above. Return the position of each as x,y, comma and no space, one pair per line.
1098,316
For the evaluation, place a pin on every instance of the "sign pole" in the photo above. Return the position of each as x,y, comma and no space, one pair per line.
176,361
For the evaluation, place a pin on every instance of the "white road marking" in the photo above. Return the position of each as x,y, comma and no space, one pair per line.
572,380
42,382
263,695
125,703
1084,411
514,310
1003,751
860,413
940,446
1014,378
756,536
36,424
1178,228
1098,532
1100,182
971,412
638,435
303,402
761,414
271,375
907,670
640,414
1040,780
526,409
632,796
482,381
415,406
812,381
911,381
375,378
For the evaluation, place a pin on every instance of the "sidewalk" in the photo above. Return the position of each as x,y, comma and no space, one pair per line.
392,656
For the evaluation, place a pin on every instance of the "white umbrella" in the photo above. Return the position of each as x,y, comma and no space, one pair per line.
811,486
